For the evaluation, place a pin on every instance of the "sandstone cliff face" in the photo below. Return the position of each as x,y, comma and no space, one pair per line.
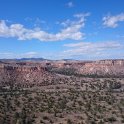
111,62
114,68
104,67
21,74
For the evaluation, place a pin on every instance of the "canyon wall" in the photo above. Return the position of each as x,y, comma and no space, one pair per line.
103,68
113,68
22,75
38,73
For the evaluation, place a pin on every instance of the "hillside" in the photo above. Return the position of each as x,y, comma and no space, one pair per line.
62,92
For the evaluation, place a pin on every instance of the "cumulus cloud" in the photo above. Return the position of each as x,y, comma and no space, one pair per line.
81,18
72,30
112,21
90,48
70,4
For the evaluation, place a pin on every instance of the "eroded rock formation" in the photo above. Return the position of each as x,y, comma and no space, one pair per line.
28,74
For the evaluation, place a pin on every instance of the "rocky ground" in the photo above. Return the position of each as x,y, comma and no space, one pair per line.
54,93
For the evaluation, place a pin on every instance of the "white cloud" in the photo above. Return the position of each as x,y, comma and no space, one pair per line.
80,15
71,31
6,55
10,55
80,50
38,22
70,4
80,20
28,55
112,21
91,49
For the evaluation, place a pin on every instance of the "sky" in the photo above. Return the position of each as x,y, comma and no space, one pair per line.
62,29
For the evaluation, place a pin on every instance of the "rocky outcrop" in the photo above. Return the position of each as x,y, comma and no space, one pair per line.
110,62
30,73
23,75
113,68
101,68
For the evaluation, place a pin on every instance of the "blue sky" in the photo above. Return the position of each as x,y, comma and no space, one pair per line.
62,29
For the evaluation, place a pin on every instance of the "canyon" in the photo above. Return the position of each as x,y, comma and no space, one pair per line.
38,72
61,91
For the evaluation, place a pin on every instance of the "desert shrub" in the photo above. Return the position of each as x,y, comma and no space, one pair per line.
112,119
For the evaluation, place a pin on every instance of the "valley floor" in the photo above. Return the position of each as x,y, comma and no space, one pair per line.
69,101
